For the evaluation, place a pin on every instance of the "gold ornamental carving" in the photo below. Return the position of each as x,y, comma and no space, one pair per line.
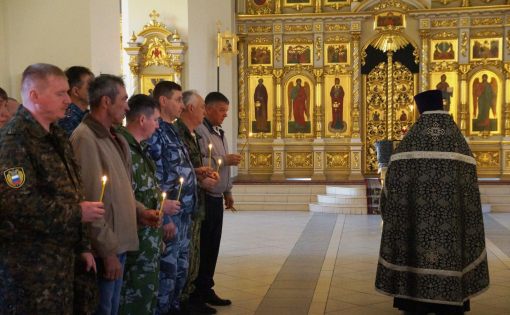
444,23
243,128
486,21
337,39
486,159
507,159
260,70
278,49
261,160
443,66
485,34
337,160
299,40
264,8
485,62
336,27
507,40
242,28
278,160
338,5
298,28
260,40
337,69
444,35
463,44
318,160
506,66
277,28
318,27
260,29
318,47
299,160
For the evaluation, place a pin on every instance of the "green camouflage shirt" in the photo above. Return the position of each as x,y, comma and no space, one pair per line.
191,142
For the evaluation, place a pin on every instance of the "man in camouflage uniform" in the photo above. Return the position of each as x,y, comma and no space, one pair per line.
191,117
141,273
172,163
41,202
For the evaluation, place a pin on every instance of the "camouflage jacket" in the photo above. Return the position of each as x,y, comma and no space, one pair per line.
172,162
192,144
41,187
74,116
145,183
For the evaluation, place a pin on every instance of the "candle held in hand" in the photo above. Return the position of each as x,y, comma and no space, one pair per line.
219,164
103,180
181,180
163,197
210,154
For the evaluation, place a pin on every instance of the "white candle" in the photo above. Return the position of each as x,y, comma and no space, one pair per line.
103,179
180,188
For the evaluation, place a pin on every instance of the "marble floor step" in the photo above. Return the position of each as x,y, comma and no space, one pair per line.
346,190
274,206
345,209
337,199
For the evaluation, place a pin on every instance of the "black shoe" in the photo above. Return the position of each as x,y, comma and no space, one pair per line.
215,300
201,308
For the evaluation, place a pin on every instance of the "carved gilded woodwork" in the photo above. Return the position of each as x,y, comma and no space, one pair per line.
260,7
335,27
444,35
485,34
463,44
487,159
295,160
260,29
486,21
507,159
337,160
298,28
260,160
445,23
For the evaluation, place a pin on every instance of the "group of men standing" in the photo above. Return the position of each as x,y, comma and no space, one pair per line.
113,220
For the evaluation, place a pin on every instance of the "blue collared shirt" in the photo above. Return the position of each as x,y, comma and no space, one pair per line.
74,116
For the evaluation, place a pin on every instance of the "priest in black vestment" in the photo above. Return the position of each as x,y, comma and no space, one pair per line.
432,257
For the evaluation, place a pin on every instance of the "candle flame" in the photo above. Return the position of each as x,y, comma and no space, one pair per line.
181,180
104,178
219,161
210,146
163,196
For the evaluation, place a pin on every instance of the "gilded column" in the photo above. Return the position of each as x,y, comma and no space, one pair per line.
318,73
277,7
424,60
463,71
389,100
356,85
277,73
506,130
243,116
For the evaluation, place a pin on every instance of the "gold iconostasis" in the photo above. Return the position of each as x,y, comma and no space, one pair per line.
321,81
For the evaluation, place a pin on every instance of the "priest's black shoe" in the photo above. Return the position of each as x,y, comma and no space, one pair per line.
215,300
197,308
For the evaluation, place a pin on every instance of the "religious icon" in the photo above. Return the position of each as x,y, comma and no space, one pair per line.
148,82
260,98
260,55
486,48
444,51
337,106
389,20
446,92
403,116
298,54
299,106
337,53
485,94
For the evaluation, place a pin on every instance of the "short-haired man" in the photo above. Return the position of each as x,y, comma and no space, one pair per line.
172,163
79,79
101,151
41,201
191,117
12,105
4,112
141,276
216,109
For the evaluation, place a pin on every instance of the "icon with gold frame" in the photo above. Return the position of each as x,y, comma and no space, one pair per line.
486,48
261,103
443,50
337,103
148,82
260,55
447,83
388,20
337,53
300,3
227,43
485,102
298,54
299,107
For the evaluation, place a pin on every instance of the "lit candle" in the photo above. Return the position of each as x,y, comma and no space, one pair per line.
163,197
219,164
181,180
210,154
103,179
247,140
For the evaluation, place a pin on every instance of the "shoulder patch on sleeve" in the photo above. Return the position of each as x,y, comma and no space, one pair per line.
14,177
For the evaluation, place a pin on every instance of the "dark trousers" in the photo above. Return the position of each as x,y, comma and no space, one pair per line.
210,237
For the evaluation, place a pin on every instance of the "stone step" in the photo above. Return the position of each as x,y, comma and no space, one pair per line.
495,190
346,190
502,207
338,199
278,198
344,209
495,198
274,206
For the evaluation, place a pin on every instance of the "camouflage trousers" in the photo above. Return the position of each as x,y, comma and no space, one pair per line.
174,265
141,274
194,259
37,280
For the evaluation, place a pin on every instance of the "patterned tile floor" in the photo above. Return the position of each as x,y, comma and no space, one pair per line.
278,263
